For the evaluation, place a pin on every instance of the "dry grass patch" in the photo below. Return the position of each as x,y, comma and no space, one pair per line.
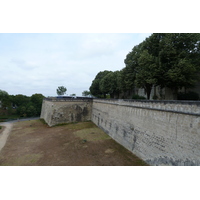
27,159
33,143
92,134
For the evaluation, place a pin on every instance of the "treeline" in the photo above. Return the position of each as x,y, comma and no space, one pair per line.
167,60
20,105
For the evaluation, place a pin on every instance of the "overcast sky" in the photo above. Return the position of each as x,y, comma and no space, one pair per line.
38,62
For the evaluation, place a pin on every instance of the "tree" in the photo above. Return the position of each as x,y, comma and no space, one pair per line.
164,59
146,72
36,100
21,110
95,87
31,110
61,90
20,100
3,94
179,61
86,93
4,99
109,84
129,72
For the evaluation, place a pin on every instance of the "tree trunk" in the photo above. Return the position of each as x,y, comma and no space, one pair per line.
148,90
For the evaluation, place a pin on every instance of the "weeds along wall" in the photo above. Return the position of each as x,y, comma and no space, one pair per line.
159,132
59,111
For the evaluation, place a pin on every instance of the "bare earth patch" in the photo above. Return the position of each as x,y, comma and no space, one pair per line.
32,143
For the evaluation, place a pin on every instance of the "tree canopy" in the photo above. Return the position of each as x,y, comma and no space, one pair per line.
61,90
86,93
21,105
163,59
95,87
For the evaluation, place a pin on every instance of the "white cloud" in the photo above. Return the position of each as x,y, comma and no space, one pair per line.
39,63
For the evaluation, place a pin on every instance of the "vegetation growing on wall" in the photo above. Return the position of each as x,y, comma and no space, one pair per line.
164,59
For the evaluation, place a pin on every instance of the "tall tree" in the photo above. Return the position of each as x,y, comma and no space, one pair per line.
109,84
146,72
86,93
20,100
61,90
95,87
4,99
179,63
36,100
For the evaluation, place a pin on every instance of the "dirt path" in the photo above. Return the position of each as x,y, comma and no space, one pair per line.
7,127
4,135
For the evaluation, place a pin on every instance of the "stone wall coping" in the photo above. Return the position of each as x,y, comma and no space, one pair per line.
180,107
175,106
64,100
126,100
153,101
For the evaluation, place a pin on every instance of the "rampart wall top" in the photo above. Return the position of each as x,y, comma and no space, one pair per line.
182,107
177,106
68,99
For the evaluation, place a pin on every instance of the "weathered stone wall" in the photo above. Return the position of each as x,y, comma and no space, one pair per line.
58,111
159,132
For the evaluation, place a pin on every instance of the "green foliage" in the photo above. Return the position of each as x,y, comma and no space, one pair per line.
164,59
188,96
110,84
178,60
26,106
3,94
4,98
86,93
129,72
20,100
21,111
29,106
136,96
61,90
31,110
36,100
95,87
146,72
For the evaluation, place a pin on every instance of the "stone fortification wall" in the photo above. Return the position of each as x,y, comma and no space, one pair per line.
159,132
58,111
